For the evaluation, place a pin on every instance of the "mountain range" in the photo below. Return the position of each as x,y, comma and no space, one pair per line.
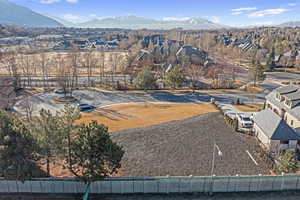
13,14
290,24
135,22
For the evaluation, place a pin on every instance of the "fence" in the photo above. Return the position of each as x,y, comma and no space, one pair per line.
154,185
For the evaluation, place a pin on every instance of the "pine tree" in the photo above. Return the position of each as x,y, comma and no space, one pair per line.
175,77
94,154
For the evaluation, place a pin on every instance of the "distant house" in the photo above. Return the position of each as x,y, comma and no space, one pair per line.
196,56
246,44
144,55
82,44
278,126
63,45
227,41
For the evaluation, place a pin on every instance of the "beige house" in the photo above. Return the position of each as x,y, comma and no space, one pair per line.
278,126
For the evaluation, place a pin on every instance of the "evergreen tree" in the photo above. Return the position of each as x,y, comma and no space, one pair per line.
49,134
94,154
175,77
145,79
17,148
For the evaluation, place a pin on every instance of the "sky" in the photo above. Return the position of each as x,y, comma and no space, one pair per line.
228,12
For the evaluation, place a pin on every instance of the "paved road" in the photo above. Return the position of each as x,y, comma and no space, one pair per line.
282,76
105,98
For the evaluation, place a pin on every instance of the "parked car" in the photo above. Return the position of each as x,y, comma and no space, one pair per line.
59,91
244,121
85,107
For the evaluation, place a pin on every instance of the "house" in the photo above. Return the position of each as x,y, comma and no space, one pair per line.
278,126
82,44
195,55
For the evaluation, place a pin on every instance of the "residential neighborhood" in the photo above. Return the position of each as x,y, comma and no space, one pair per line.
149,100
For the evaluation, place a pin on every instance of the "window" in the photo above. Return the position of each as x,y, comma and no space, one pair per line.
284,142
278,97
288,103
292,122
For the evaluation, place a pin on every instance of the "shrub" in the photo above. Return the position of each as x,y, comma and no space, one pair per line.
287,162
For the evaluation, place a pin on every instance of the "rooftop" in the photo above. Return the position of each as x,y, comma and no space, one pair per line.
287,89
295,111
275,127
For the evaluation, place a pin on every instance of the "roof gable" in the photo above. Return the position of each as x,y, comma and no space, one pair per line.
274,127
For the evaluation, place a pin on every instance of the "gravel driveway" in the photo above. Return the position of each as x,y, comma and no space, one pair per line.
183,148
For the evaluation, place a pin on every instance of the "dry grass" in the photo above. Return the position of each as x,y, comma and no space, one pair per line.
250,107
254,89
208,91
121,117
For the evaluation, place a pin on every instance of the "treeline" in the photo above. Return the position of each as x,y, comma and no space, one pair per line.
87,150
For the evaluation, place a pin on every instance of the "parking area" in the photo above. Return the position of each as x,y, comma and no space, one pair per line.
183,148
100,98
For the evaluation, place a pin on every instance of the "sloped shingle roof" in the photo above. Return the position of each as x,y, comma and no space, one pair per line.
287,89
274,127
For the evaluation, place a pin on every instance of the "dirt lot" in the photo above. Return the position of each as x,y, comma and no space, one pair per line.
125,116
185,147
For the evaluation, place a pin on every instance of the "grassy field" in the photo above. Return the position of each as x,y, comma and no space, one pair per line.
250,107
125,116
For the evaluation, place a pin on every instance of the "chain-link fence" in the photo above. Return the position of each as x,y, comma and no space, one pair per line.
155,185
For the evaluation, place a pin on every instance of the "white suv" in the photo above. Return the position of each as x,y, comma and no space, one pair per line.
244,121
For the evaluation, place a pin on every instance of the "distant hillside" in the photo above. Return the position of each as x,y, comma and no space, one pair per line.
13,14
134,22
290,24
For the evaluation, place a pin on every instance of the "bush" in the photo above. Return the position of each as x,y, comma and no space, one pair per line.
287,162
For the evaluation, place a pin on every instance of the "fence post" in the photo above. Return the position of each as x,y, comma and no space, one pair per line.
8,190
282,181
191,183
260,180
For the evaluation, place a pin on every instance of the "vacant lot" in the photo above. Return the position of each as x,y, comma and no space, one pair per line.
185,147
125,116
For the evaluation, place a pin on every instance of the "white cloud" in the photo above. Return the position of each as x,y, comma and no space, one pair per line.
55,1
263,13
237,13
49,1
292,4
243,9
72,1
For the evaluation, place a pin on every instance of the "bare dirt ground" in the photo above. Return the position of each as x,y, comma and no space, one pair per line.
183,148
135,115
